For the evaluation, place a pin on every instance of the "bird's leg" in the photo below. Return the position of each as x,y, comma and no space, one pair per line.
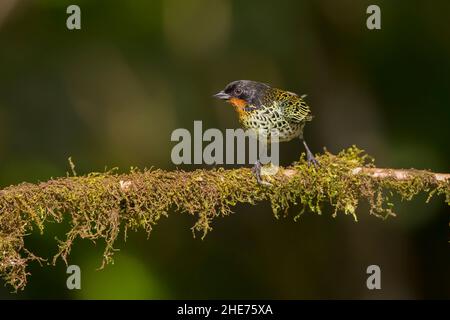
309,156
256,170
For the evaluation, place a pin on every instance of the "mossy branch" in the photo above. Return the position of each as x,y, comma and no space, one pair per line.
101,205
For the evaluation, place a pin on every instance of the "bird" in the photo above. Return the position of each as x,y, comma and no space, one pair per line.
261,108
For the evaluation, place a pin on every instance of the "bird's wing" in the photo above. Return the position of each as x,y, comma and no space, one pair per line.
295,109
303,96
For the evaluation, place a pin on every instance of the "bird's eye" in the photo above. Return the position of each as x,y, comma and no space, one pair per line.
237,91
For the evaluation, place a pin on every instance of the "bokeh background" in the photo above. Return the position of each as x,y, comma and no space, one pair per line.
110,95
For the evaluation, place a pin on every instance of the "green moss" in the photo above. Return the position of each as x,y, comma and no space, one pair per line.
100,205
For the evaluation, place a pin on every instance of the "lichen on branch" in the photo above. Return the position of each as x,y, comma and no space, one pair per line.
99,206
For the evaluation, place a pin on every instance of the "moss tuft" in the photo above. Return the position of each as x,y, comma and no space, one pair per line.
101,205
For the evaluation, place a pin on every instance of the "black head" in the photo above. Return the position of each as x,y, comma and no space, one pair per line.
251,92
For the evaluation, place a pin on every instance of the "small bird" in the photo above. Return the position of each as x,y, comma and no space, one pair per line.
263,109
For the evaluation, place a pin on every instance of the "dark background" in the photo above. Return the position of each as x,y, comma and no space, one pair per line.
111,94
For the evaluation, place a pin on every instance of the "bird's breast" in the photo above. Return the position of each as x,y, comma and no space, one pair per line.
266,119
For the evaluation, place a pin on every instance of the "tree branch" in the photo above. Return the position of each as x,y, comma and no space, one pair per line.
400,174
101,205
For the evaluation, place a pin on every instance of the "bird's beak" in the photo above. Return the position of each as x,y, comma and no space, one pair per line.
222,95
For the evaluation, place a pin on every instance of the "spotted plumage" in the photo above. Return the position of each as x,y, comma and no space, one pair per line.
262,108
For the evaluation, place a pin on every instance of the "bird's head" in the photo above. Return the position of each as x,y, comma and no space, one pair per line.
241,93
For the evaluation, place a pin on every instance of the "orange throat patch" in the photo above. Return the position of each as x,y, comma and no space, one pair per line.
239,105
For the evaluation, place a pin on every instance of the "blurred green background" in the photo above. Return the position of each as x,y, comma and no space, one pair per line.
111,94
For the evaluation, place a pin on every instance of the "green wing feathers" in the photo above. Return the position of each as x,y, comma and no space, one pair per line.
294,107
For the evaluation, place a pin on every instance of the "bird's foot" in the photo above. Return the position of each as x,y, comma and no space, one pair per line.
311,159
256,170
